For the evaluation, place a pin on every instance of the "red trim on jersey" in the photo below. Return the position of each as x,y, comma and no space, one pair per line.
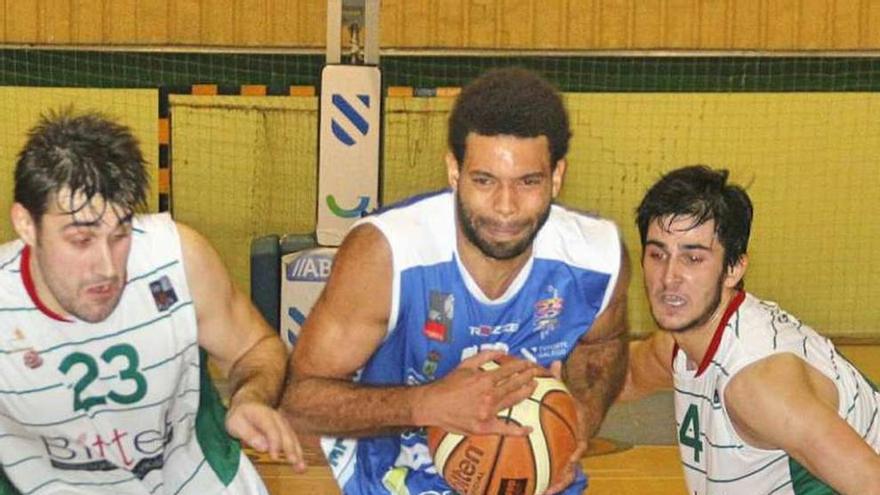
31,289
716,339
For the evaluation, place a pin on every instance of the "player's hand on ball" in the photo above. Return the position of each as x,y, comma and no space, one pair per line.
467,399
264,429
568,474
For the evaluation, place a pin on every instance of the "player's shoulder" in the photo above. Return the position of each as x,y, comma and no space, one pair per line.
587,224
579,238
155,240
10,272
761,328
419,230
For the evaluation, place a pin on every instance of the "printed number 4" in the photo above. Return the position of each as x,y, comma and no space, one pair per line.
689,433
129,373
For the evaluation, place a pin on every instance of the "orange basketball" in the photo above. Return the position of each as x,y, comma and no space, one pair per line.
505,465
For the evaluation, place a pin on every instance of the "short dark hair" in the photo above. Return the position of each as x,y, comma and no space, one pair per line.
510,101
89,153
701,193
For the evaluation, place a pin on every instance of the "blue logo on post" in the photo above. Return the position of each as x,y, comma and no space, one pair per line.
352,116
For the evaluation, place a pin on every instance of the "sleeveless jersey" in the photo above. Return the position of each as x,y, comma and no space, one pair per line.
123,406
715,458
439,316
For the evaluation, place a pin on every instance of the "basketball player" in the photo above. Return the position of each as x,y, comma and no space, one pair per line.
423,293
763,403
104,311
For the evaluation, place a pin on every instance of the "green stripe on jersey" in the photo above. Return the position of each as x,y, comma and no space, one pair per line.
804,483
6,487
220,450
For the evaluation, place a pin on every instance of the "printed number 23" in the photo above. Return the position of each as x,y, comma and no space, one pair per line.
129,373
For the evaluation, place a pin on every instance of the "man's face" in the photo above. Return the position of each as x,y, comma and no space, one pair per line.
78,259
685,277
504,190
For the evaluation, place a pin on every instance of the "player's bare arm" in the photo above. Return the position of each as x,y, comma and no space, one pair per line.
244,347
596,368
347,325
781,402
649,368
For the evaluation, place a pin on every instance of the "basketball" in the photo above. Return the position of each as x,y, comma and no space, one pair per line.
507,465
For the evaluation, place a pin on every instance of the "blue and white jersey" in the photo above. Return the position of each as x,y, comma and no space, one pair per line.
439,317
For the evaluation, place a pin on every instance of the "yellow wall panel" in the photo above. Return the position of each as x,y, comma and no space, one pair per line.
746,20
185,22
244,167
458,24
415,144
871,23
22,25
21,109
122,21
813,26
844,24
516,22
712,19
393,24
282,23
152,21
313,23
251,22
681,23
450,22
647,23
481,18
614,24
218,22
550,25
417,23
55,18
582,24
781,33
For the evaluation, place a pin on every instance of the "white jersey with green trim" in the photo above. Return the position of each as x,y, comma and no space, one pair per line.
123,406
715,458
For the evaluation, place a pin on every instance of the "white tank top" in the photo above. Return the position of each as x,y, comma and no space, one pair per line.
112,407
714,457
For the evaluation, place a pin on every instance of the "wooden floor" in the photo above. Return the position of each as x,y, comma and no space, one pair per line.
614,469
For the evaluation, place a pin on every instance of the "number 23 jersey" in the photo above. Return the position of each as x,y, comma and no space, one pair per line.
113,406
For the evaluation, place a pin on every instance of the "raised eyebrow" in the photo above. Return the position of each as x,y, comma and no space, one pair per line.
658,244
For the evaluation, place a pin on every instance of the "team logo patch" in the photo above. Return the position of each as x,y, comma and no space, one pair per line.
440,314
429,367
163,293
547,312
32,359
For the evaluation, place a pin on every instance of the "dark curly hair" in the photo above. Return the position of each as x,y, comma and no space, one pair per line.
703,194
88,153
510,101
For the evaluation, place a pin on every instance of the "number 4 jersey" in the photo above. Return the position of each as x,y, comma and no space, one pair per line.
112,407
715,459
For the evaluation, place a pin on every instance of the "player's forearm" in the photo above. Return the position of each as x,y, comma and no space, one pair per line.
595,374
645,374
326,406
259,374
